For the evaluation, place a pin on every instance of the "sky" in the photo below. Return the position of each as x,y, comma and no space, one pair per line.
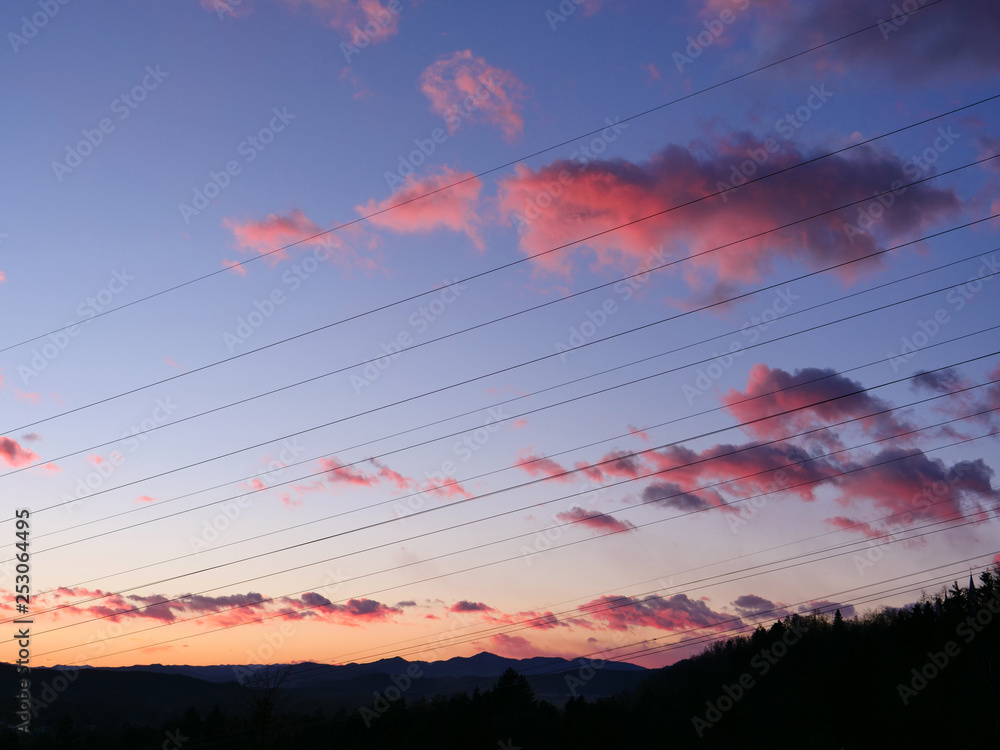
345,329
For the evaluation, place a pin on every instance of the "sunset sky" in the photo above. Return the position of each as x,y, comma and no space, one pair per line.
498,187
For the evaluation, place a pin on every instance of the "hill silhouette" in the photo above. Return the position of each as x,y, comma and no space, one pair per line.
925,675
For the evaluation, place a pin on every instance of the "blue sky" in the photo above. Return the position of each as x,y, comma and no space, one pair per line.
289,116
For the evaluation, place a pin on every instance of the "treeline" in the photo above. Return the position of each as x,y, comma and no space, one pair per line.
927,675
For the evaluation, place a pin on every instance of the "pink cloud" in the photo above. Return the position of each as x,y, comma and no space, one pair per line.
595,520
363,22
844,523
618,464
753,607
613,193
393,476
462,86
255,484
338,473
274,231
983,399
235,267
295,228
293,497
355,612
452,208
942,40
512,646
32,397
230,609
919,485
145,499
14,455
641,434
540,466
774,391
231,8
448,487
677,612
686,470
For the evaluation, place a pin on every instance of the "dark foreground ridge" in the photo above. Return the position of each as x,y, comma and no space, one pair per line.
923,676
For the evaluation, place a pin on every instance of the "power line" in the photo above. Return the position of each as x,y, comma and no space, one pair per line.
573,381
631,600
866,540
505,468
396,403
790,314
753,447
731,632
560,475
421,512
506,317
491,170
363,654
638,478
319,606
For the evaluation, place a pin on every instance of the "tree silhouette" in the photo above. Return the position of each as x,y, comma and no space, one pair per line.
260,692
838,622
